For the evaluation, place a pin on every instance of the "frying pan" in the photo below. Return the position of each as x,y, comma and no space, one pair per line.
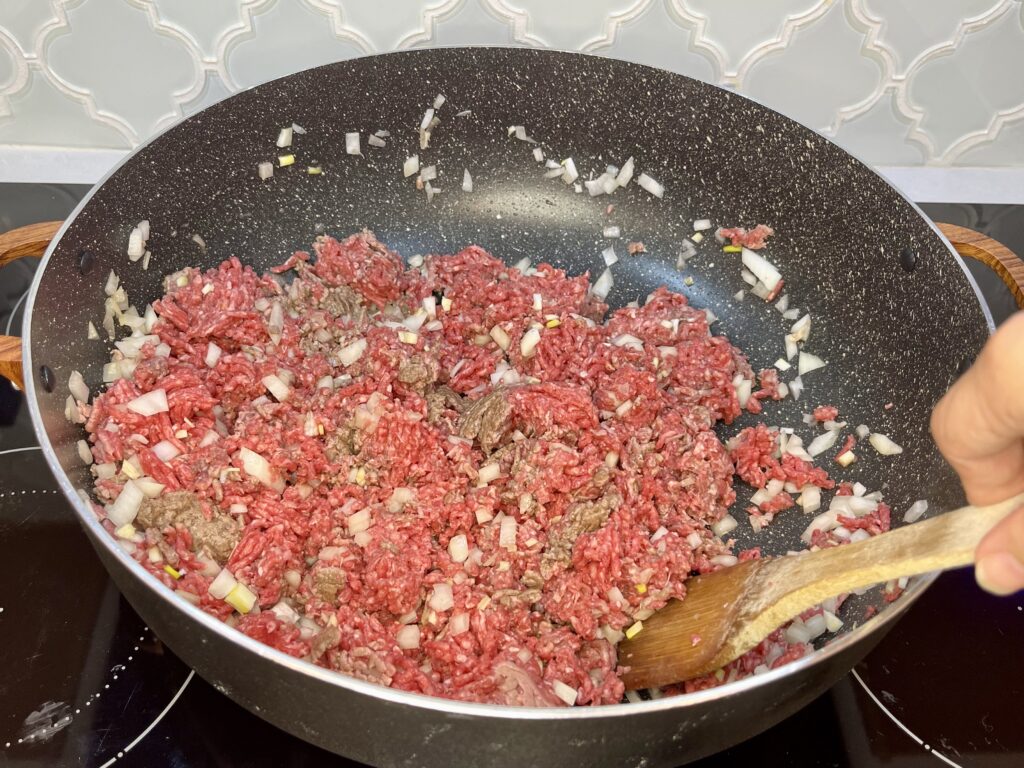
894,312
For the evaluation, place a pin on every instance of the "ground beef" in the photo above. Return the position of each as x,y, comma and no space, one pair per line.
826,413
436,512
754,239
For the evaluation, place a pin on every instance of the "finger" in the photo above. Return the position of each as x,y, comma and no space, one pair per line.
979,424
999,560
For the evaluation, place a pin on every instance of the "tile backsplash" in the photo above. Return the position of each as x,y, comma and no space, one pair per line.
898,82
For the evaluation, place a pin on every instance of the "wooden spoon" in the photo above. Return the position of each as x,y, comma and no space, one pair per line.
728,612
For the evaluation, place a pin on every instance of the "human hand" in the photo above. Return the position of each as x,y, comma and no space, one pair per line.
979,427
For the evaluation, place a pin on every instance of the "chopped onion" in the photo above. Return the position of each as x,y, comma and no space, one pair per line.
507,533
165,450
222,585
458,624
791,347
862,431
209,438
724,526
701,224
832,622
458,548
359,521
284,137
149,487
796,387
150,403
411,165
744,389
884,445
763,269
259,468
126,505
738,296
352,352
801,330
136,244
428,117
916,511
528,344
213,353
791,314
782,365
565,692
649,184
375,141
439,100
78,387
797,633
783,303
84,452
467,181
726,561
110,288
276,387
603,285
826,521
810,499
611,232
265,170
487,473
241,598
429,173
627,340
442,598
408,637
748,277
625,173
816,625
538,154
569,172
808,362
822,443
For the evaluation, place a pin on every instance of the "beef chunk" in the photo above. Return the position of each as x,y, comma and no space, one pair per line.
216,536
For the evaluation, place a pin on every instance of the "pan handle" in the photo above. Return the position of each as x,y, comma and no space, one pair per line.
33,240
991,253
30,240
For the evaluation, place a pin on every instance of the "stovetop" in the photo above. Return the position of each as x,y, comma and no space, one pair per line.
86,683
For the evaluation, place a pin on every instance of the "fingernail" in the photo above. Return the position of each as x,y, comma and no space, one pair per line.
1000,573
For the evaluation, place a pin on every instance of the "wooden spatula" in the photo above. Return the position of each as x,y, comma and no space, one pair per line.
728,612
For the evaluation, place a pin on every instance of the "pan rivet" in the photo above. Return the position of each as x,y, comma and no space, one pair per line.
908,259
85,261
46,375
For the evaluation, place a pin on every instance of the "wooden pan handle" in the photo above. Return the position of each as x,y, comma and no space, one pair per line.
30,240
991,253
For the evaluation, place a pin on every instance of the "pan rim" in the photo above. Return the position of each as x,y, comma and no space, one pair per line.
881,620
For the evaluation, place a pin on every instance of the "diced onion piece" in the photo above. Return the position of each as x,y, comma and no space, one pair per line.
259,468
783,303
487,473
538,154
375,141
285,613
832,622
748,277
276,387
763,269
241,598
90,331
697,237
738,296
726,561
507,533
428,117
411,166
611,232
352,143
625,173
846,459
884,445
791,347
213,353
862,431
801,330
808,362
649,184
284,137
283,161
701,224
458,548
78,387
782,365
408,637
467,181
352,352
165,450
724,526
149,404
603,285
528,344
359,521
222,584
458,624
439,100
265,170
796,387
565,692
822,443
915,511
441,599
136,244
84,452
501,337
150,487
569,172
810,498
126,505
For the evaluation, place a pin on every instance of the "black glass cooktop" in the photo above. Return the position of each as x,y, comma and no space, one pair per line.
85,683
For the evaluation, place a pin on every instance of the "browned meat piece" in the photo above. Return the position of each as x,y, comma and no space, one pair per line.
216,536
341,442
532,579
327,581
636,247
342,301
511,597
419,372
325,639
582,517
486,420
363,663
440,399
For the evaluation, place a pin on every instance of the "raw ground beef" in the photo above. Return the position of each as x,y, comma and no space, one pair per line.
435,505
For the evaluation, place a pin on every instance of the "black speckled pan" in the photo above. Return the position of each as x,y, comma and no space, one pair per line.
893,329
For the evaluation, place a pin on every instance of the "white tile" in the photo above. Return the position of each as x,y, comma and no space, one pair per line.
879,136
289,36
390,24
1007,148
819,72
565,24
206,22
23,20
473,23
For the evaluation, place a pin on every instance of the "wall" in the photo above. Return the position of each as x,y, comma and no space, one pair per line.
905,84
